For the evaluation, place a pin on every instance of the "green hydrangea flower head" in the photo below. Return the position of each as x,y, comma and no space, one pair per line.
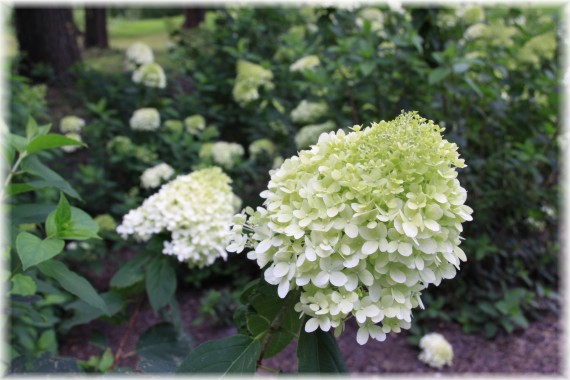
436,350
151,75
309,134
306,63
145,154
71,124
537,49
121,145
471,15
250,77
195,124
262,147
361,223
307,112
194,210
175,126
105,222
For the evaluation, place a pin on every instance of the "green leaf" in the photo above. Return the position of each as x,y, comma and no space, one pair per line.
32,250
161,349
34,166
85,313
461,67
31,128
18,188
30,213
234,355
318,352
473,86
73,283
23,285
79,227
62,213
106,360
438,75
367,67
160,282
50,141
130,273
18,142
48,341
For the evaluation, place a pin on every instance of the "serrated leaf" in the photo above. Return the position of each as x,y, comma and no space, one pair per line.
32,250
160,282
318,352
50,141
234,355
73,283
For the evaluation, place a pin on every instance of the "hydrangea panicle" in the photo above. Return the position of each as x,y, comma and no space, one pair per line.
138,54
151,75
71,124
145,119
361,223
152,177
195,209
250,77
436,350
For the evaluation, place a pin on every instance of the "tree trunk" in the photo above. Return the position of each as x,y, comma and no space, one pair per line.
96,28
193,17
46,36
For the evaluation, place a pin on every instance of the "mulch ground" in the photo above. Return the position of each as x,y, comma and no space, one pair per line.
536,350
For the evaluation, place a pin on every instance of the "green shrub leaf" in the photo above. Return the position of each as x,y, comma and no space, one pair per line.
23,285
234,355
160,282
32,250
73,283
50,141
318,352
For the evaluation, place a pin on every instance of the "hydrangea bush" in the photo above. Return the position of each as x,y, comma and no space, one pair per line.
194,209
361,223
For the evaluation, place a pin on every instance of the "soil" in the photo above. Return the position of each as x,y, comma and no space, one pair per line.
536,350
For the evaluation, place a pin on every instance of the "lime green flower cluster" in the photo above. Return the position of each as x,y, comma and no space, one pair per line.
121,145
195,124
495,34
151,75
361,223
471,15
309,134
153,177
262,147
308,112
306,63
145,119
537,49
223,153
145,154
195,209
436,350
106,222
175,126
71,124
250,77
138,54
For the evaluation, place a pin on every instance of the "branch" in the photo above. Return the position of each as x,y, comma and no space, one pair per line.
127,333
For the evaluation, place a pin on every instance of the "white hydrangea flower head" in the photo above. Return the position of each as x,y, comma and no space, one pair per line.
145,119
306,63
72,148
250,77
223,153
262,147
471,14
153,177
307,112
71,124
436,350
308,135
372,15
195,124
475,31
195,209
138,54
150,75
361,223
